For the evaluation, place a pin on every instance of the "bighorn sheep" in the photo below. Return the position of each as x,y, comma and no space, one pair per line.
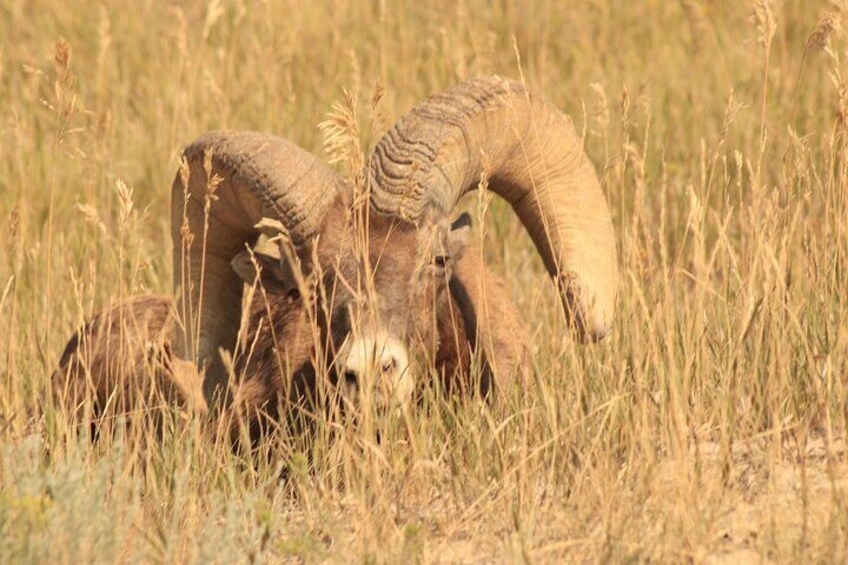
377,279
123,356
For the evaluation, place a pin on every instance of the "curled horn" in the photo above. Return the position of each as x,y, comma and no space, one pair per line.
229,182
437,152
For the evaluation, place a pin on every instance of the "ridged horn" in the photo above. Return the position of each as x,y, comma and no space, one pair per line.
255,175
533,159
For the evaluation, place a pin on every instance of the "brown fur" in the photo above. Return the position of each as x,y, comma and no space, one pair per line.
123,355
121,359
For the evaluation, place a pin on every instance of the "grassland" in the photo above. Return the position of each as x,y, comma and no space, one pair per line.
710,426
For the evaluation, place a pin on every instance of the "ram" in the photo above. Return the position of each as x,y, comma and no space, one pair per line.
379,271
123,356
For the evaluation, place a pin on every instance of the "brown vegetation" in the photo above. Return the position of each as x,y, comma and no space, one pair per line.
708,425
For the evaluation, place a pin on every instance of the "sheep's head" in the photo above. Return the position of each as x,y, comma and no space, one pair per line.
380,267
374,292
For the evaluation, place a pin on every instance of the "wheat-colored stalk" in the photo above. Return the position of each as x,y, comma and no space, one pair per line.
766,26
64,106
819,40
711,423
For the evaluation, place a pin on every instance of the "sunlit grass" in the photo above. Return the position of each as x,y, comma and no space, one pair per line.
711,422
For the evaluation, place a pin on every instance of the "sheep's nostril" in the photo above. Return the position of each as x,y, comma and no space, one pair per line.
350,378
389,365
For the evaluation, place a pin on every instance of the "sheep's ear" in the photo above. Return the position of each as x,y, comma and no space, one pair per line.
264,262
463,221
458,235
250,266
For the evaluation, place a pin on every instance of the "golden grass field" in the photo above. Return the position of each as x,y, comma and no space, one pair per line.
710,427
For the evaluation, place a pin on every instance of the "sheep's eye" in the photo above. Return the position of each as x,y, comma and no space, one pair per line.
440,261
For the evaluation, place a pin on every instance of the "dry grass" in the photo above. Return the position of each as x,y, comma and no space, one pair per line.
710,426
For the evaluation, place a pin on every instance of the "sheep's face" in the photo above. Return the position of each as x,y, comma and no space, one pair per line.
374,297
